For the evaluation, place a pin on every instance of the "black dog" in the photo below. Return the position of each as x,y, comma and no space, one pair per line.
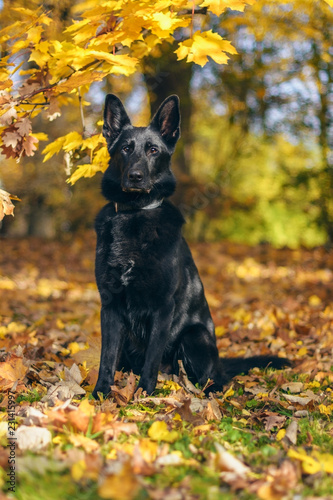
154,310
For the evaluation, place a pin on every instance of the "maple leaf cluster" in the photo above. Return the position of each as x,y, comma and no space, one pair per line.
97,43
17,140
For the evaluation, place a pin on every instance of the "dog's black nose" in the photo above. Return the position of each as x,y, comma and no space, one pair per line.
135,176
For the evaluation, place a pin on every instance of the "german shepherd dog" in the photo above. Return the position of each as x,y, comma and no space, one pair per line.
154,311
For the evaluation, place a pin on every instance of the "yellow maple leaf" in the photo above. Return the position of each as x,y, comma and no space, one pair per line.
86,170
101,157
164,24
79,79
202,45
67,142
330,2
34,34
219,6
158,431
121,64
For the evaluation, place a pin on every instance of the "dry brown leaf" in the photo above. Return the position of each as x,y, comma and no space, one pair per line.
33,438
183,380
212,411
68,387
293,387
12,370
29,145
124,395
6,206
11,138
281,482
228,463
298,399
9,115
119,427
274,420
291,432
23,126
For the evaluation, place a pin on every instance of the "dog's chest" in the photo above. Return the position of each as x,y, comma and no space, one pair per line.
131,249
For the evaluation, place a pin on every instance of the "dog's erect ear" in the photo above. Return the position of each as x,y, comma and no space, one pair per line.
167,120
115,119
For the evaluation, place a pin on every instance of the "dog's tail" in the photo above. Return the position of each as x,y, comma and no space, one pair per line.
236,366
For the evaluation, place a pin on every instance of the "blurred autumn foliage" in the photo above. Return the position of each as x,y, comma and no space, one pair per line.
254,164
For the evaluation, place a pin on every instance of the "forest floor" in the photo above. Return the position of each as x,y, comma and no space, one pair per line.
268,435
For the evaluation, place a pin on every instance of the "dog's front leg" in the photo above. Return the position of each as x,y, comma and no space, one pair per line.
112,341
159,338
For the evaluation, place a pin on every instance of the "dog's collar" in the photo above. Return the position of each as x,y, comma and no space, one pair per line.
120,207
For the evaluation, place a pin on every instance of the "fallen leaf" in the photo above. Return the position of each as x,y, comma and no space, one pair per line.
228,463
12,370
89,445
275,420
33,438
293,387
124,395
121,486
291,432
158,431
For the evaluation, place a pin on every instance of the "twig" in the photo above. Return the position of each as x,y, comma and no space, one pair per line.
82,113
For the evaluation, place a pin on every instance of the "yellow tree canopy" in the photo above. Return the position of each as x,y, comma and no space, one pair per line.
108,37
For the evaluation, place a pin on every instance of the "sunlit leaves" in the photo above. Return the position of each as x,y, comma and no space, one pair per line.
203,45
219,6
109,38
93,147
159,432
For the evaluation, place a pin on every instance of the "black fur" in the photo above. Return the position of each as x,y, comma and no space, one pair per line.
154,311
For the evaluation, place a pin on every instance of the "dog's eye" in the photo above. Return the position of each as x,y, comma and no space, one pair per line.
125,149
152,149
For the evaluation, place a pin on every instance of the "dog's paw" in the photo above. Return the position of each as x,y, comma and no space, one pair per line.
102,388
147,386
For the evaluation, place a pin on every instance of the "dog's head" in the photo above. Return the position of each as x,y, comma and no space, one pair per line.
139,170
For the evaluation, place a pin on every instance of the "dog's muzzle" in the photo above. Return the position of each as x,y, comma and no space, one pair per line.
134,180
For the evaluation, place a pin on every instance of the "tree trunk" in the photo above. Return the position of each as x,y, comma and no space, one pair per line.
164,75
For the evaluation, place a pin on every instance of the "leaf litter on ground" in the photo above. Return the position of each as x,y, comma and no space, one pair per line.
269,434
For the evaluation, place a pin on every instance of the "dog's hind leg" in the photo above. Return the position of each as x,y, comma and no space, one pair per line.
197,349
